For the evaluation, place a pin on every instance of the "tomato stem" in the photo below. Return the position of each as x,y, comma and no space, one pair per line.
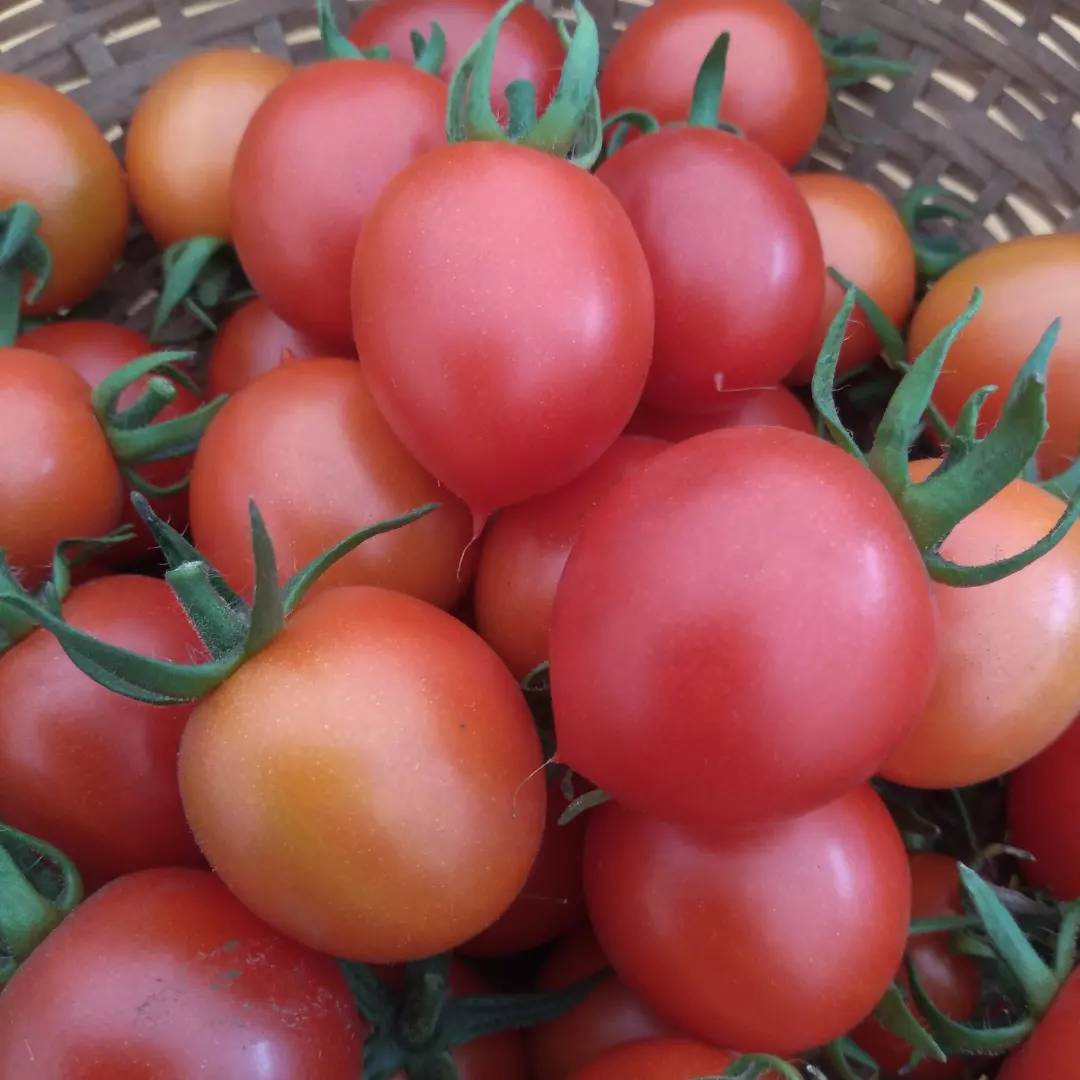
22,252
336,45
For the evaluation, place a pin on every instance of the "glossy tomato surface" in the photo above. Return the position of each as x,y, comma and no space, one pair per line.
1007,685
185,982
774,406
312,161
658,1059
731,314
370,781
718,655
1054,1048
504,312
59,161
779,938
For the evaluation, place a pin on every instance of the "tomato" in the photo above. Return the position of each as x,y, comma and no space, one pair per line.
779,938
87,770
951,979
1054,1048
370,781
1044,806
165,974
184,136
528,46
865,239
66,169
1027,284
611,1015
775,406
729,316
59,479
525,549
506,343
313,159
252,341
658,1059
776,87
1007,683
308,444
718,655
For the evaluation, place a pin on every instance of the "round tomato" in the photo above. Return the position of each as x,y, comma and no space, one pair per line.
658,1059
611,1015
343,128
865,239
370,781
776,88
775,406
718,655
525,549
1054,1048
184,135
308,444
165,974
779,938
58,161
733,315
507,342
1027,284
1007,682
87,770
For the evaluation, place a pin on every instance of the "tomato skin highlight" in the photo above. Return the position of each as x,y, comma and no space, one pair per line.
733,315
658,1059
780,938
1054,1048
186,982
501,396
69,173
775,406
307,173
776,87
762,681
1007,685
366,782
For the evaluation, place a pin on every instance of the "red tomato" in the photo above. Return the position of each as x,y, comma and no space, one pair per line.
1044,806
251,342
308,444
1007,683
1054,1049
184,135
779,938
165,974
658,1059
506,342
611,1014
731,315
776,406
1027,284
525,549
776,88
107,763
370,781
58,161
718,655
866,240
313,160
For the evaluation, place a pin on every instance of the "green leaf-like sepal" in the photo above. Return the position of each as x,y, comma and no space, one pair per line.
935,253
894,1015
22,252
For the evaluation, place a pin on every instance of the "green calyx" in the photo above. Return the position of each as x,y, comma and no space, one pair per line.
38,887
200,275
852,58
429,53
569,127
22,253
415,1031
936,252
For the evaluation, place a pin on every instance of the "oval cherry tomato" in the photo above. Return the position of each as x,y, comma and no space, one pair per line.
87,770
659,1059
186,982
368,782
733,315
776,406
1027,284
718,655
184,136
1054,1048
344,128
1007,683
308,444
501,396
59,161
865,239
776,87
611,1015
779,938
525,550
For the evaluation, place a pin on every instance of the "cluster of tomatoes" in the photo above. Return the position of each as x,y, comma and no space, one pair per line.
619,670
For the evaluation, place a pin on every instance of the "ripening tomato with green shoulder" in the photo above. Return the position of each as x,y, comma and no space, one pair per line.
659,1059
774,406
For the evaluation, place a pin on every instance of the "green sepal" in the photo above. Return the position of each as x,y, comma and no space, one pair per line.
851,59
1065,485
22,252
1065,947
935,253
822,386
841,1052
753,1066
942,924
268,607
589,801
221,628
197,273
621,123
709,88
429,54
521,97
336,45
894,1015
